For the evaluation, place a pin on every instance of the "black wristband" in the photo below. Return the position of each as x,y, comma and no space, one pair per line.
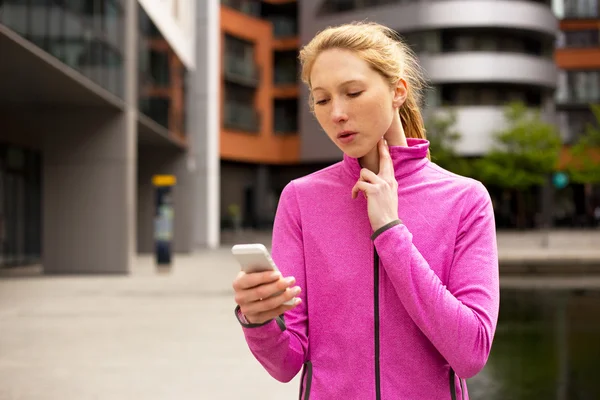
385,228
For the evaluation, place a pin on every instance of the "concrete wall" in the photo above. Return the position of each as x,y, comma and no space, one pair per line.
203,122
88,169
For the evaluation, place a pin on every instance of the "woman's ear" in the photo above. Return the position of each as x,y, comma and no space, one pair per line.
400,93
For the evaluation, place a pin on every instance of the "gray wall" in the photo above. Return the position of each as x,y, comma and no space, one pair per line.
88,187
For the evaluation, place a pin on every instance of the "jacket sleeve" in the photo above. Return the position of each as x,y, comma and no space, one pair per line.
460,319
280,345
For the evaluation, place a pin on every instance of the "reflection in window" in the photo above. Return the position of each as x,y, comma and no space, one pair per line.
286,67
86,35
239,110
286,116
161,78
583,38
578,87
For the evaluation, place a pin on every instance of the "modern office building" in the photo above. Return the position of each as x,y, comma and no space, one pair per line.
96,97
578,59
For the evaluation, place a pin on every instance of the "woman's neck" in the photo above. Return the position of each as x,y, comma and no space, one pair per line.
395,137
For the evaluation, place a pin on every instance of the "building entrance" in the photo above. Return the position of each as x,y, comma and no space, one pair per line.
20,206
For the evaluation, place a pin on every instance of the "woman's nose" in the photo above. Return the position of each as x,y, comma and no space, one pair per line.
338,113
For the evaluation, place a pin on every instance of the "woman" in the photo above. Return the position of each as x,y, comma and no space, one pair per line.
391,260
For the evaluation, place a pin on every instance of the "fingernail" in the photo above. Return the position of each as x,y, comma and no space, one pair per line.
290,280
297,301
296,290
276,275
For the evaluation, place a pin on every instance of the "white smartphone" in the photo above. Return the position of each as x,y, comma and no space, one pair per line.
255,257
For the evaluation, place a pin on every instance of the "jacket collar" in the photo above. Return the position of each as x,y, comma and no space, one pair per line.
407,160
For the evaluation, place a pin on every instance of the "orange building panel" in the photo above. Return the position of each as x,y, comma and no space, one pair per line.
263,146
573,58
291,43
286,91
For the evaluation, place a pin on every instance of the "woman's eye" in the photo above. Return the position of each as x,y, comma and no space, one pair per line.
355,94
321,102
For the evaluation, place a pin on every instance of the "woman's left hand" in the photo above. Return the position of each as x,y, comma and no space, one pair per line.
381,190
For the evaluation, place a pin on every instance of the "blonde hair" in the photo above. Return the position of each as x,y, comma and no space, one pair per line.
383,49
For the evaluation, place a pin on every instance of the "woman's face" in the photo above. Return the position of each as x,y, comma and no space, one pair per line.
353,103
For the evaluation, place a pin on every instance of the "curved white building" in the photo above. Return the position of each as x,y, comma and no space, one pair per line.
477,55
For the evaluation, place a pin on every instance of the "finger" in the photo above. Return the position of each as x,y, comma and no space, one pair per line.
361,186
369,176
263,291
246,281
271,303
386,167
262,317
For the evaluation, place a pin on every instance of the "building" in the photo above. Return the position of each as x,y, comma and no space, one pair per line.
95,99
578,58
477,55
260,141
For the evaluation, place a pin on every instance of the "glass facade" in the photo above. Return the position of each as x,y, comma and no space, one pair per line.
86,35
20,206
491,40
578,87
162,82
250,7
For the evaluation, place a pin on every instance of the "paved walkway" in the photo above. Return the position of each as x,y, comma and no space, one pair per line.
151,335
157,334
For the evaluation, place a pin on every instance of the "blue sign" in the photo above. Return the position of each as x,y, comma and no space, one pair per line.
560,180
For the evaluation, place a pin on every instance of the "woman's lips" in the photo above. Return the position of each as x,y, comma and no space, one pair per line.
346,137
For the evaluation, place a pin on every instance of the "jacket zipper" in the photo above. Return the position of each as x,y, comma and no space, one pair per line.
377,344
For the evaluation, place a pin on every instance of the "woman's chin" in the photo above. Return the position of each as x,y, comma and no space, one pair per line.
355,151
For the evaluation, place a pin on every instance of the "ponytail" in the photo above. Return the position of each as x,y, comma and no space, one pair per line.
412,119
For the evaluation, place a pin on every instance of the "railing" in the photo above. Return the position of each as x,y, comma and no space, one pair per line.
241,71
285,125
242,117
284,27
250,7
285,75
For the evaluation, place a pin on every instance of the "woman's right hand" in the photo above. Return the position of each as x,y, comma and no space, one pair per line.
253,294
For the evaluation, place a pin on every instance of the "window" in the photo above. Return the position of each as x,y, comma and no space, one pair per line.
584,38
577,8
584,86
488,94
79,33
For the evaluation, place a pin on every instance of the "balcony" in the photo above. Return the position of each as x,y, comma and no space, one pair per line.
285,76
285,125
241,117
284,27
249,7
241,71
571,99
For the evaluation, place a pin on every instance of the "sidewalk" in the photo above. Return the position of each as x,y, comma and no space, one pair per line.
149,336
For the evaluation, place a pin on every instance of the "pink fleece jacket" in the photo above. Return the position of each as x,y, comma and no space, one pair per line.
402,313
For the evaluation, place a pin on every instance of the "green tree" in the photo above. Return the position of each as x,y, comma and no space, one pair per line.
523,155
585,164
443,139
